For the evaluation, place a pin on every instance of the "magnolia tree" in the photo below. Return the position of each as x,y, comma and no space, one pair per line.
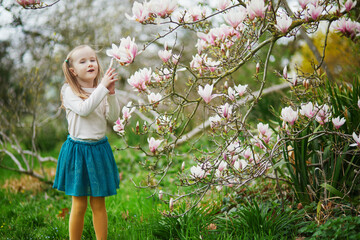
229,35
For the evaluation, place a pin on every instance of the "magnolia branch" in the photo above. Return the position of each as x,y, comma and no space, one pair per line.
207,123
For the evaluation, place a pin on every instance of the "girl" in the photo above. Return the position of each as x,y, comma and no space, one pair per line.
86,164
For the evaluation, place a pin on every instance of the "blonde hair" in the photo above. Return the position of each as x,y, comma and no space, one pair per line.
70,78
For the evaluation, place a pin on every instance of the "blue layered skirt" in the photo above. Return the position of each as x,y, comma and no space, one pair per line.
86,168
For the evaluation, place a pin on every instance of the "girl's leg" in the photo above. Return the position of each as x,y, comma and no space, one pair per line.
100,220
76,222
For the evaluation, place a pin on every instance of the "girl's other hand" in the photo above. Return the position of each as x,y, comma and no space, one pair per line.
109,80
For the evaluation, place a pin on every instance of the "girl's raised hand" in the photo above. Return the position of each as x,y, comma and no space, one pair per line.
109,80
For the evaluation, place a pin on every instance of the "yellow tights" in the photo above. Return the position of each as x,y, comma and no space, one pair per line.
78,209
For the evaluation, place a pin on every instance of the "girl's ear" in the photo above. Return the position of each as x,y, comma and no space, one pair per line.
72,70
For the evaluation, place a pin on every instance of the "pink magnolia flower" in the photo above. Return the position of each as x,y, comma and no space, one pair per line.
267,137
315,11
127,111
263,128
165,55
283,22
233,148
154,144
26,3
256,8
125,53
201,45
219,174
165,74
175,59
197,62
257,142
347,27
196,13
235,16
247,153
202,36
157,77
119,126
140,79
152,97
323,114
162,8
231,94
307,110
294,79
303,3
240,164
140,12
357,140
178,16
348,5
289,115
241,89
265,132
222,166
226,110
218,35
359,103
197,172
206,93
161,194
223,4
214,121
338,122
211,65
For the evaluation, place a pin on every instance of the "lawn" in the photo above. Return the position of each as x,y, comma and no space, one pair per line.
30,209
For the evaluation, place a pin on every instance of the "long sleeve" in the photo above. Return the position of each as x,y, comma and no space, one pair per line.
112,108
84,107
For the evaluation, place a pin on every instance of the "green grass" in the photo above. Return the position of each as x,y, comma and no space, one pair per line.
25,215
134,214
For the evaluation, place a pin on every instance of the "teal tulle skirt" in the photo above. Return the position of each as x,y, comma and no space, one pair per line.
86,168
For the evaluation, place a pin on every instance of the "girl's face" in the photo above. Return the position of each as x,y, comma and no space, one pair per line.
84,66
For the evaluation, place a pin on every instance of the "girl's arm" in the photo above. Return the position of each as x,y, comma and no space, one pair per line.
87,106
112,108
84,108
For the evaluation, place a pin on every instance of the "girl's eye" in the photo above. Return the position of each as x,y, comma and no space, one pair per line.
93,60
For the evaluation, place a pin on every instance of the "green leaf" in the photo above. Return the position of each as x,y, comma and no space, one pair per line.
336,192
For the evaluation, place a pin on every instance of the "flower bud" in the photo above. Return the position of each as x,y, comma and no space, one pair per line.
306,83
285,72
145,127
28,3
160,194
257,68
183,166
171,204
294,79
225,156
137,127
